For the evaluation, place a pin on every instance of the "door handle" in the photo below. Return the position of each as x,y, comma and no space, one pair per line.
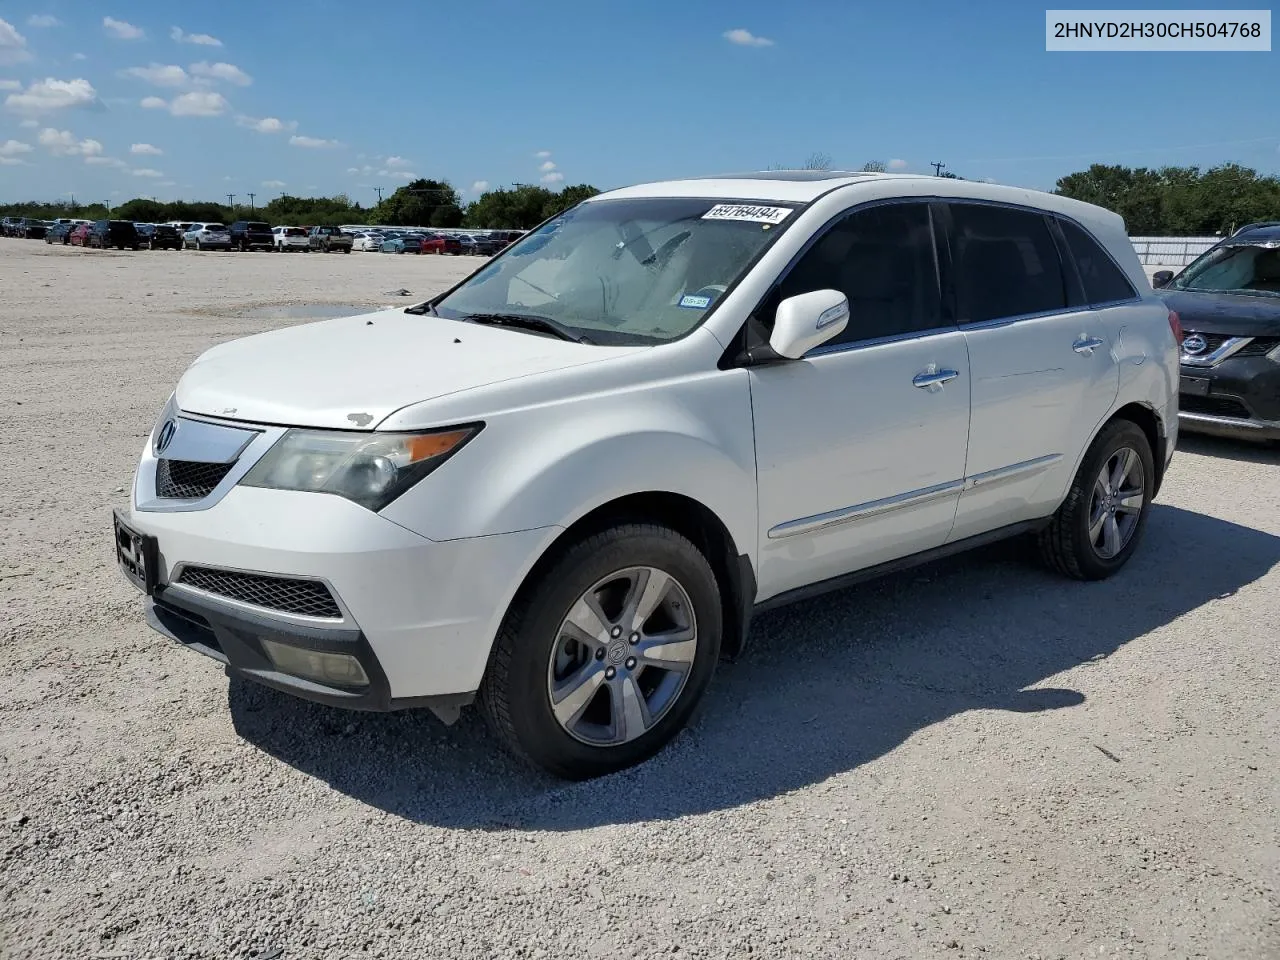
1086,345
934,378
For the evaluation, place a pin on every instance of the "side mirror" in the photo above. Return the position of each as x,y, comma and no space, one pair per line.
1161,278
808,320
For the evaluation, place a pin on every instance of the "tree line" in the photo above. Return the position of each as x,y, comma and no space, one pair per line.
422,203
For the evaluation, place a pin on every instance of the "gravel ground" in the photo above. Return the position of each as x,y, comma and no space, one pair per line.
974,759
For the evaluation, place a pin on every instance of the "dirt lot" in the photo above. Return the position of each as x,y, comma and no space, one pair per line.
976,759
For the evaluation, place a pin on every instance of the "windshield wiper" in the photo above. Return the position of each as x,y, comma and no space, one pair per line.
526,321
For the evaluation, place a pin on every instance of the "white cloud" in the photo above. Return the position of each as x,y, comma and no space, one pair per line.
146,172
11,162
49,94
201,39
121,30
553,178
268,124
199,103
39,20
398,162
898,164
273,184
480,186
30,123
145,150
547,166
227,72
10,84
745,38
543,154
154,103
62,143
313,142
167,183
107,162
160,75
78,56
11,148
13,45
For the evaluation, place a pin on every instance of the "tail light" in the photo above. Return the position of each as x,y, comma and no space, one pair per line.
1175,324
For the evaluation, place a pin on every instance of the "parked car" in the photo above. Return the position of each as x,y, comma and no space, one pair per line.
367,242
59,233
562,486
290,238
207,236
35,229
120,234
80,235
488,246
405,243
1229,303
163,236
251,235
329,240
7,226
432,243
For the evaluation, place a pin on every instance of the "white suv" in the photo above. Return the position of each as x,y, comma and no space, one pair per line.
562,486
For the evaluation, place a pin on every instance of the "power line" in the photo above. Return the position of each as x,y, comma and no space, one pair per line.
937,167
231,200
251,206
379,192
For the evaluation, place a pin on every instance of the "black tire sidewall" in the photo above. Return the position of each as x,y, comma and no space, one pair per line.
539,733
1119,435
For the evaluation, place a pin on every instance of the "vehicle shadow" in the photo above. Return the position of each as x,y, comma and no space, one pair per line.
1225,449
824,687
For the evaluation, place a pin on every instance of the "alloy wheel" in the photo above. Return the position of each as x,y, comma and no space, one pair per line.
1119,495
622,656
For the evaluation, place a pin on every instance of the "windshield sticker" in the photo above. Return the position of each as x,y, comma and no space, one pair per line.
747,213
695,303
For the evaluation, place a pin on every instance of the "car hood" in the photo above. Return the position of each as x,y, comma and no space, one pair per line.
1236,314
353,372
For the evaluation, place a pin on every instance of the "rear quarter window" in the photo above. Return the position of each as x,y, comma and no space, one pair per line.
1104,282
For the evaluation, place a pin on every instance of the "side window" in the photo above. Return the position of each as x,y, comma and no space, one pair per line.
881,258
1103,280
1006,263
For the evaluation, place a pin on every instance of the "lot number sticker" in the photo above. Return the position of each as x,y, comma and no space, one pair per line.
745,212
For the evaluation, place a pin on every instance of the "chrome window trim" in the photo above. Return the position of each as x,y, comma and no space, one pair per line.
1022,317
827,350
862,511
1230,347
176,572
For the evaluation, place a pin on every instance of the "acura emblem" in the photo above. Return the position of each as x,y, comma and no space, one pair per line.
1195,344
165,436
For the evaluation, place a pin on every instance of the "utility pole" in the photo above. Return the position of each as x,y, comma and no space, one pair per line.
251,206
937,168
378,190
231,201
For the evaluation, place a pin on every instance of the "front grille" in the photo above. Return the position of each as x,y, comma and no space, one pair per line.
1214,341
188,479
308,598
1214,406
1259,347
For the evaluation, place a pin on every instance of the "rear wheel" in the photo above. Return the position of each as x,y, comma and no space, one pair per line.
603,658
1099,524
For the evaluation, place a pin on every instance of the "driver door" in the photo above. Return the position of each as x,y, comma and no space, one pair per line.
860,445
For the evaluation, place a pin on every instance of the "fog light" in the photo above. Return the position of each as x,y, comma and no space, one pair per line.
338,669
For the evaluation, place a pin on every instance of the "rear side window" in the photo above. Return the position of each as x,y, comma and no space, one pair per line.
883,259
1103,280
1006,263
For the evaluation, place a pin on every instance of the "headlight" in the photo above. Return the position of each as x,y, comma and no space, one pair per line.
371,469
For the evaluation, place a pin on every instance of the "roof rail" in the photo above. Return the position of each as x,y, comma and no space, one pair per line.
1253,226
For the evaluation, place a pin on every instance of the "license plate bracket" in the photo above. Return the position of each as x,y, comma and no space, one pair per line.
137,554
1195,386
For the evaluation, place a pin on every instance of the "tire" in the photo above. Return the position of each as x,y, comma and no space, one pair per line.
1067,544
516,694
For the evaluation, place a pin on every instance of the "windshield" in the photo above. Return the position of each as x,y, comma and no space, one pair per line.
1249,269
214,227
257,226
624,271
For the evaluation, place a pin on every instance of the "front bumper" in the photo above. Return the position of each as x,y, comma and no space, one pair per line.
418,615
1237,398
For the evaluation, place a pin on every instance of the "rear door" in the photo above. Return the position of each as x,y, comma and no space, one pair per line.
1043,374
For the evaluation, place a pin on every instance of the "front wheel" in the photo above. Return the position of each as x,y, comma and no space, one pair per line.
1099,524
602,659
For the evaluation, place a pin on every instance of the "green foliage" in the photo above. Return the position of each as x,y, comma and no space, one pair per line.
874,166
1177,201
417,203
523,207
306,212
35,210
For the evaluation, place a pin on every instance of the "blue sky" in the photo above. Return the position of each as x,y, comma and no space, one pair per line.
113,99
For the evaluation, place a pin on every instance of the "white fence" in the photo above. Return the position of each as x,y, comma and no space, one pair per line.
1171,251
